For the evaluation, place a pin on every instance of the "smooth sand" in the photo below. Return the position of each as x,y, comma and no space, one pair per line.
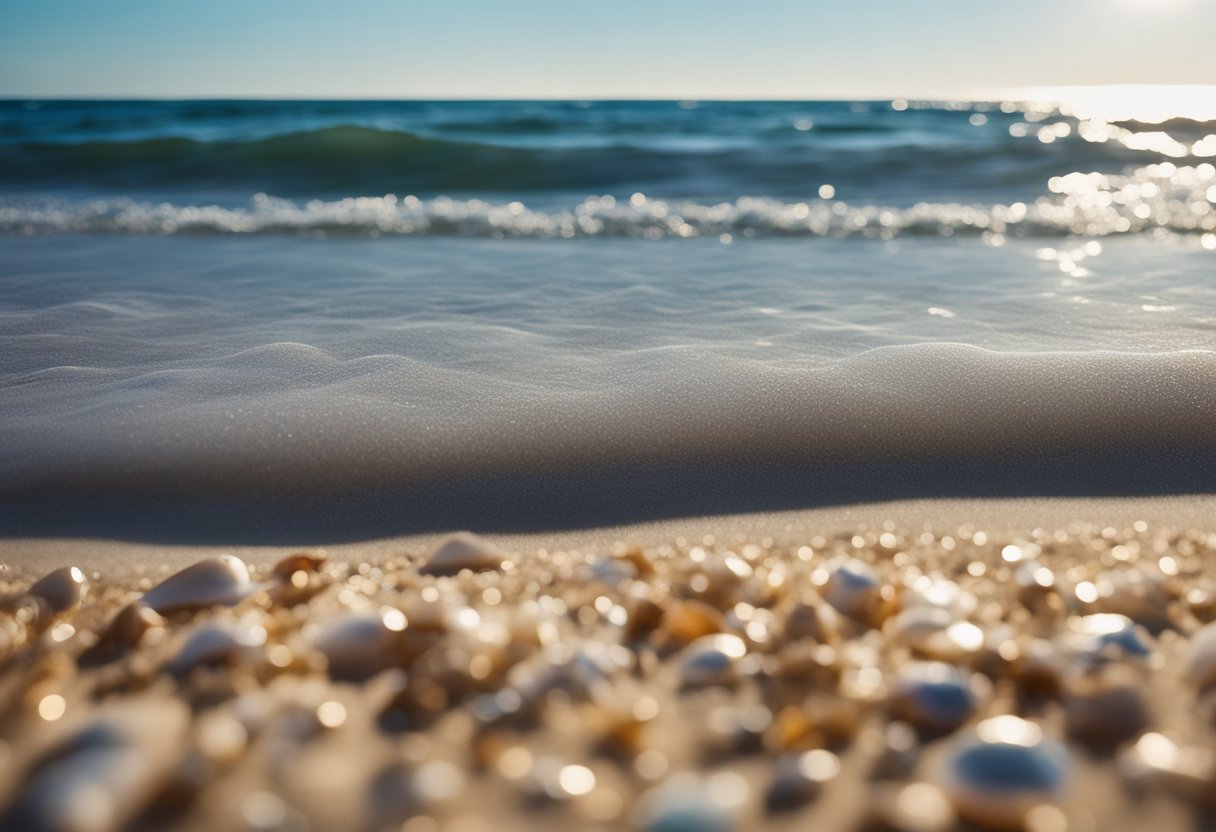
1000,517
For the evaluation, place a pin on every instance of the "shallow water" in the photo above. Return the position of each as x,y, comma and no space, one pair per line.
180,354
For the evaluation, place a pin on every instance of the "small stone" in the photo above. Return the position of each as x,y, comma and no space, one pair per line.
1002,770
217,581
916,807
799,778
61,590
936,697
711,660
1107,709
463,551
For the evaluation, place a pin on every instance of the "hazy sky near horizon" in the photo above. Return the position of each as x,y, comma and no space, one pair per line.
577,49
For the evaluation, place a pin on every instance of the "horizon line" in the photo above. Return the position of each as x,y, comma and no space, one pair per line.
986,96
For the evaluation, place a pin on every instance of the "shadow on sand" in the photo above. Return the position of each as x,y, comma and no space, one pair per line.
585,498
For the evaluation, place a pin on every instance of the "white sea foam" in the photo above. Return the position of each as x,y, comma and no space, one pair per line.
1157,198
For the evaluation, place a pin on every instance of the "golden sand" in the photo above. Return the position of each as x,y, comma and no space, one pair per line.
775,671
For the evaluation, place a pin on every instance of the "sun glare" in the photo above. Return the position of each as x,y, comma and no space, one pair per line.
1148,103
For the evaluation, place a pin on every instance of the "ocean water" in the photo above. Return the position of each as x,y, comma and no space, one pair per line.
241,320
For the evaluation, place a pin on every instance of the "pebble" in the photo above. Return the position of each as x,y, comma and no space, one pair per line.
462,551
61,590
798,778
218,581
1110,636
711,660
936,697
1201,656
1106,709
1002,770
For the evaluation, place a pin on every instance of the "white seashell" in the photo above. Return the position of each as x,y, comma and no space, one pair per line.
216,642
62,589
463,551
1002,770
711,660
222,580
103,773
852,588
358,645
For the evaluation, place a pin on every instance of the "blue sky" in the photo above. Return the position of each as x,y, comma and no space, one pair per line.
611,48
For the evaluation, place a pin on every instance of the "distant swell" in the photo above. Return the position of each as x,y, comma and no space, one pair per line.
357,159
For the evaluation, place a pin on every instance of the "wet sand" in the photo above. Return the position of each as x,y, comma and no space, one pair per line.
888,666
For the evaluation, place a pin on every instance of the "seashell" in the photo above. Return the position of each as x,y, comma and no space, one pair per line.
916,807
686,621
936,633
1002,770
852,588
216,642
298,562
62,589
1037,587
947,595
898,752
1156,759
799,778
684,805
936,697
1201,656
1104,637
102,774
815,621
357,646
711,660
461,551
130,624
610,572
218,581
1136,593
1106,709
1040,668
